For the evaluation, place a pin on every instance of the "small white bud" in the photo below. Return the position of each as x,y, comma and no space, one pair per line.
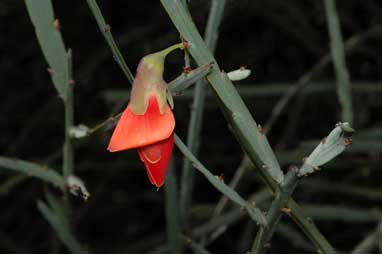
239,74
77,186
79,131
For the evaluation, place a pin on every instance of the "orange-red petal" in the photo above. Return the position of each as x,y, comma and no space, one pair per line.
133,131
156,158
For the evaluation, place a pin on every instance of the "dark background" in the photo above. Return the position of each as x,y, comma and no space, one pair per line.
278,40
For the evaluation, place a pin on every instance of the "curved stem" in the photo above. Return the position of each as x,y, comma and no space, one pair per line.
168,50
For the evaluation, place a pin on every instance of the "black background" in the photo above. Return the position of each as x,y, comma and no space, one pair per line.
278,40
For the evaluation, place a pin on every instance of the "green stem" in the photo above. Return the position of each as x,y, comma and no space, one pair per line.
338,55
255,214
239,172
243,125
306,79
187,79
197,109
172,211
309,228
274,214
106,31
250,91
195,247
63,231
168,50
366,245
218,225
68,157
31,169
187,61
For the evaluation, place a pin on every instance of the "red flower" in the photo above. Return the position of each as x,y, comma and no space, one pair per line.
147,124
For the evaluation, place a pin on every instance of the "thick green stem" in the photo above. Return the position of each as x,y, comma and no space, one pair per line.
197,109
243,125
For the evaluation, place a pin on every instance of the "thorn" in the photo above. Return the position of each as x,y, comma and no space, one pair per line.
57,24
194,165
221,177
323,141
286,210
50,71
86,196
185,43
316,168
293,168
348,141
72,82
187,70
265,167
304,159
107,28
158,189
267,245
261,130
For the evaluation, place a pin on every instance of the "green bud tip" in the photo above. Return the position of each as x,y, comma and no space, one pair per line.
156,60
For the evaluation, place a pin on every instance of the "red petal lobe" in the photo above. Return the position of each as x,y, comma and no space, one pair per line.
156,158
133,131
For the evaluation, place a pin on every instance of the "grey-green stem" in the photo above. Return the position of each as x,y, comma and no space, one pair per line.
338,55
243,125
197,109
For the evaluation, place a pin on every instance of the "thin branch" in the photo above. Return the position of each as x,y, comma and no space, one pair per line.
371,241
253,212
172,211
274,214
338,56
197,109
239,172
106,31
304,80
68,157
